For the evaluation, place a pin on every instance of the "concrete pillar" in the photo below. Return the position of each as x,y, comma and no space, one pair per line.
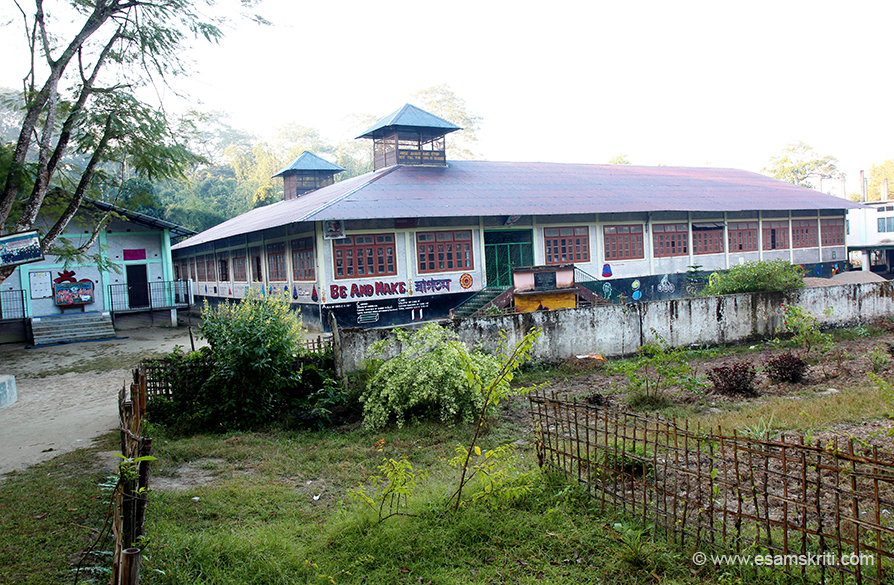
8,393
867,261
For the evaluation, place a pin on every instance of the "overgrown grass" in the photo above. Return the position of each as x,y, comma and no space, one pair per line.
266,527
52,512
809,412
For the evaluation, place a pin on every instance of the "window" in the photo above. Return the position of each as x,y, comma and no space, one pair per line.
743,236
223,267
567,244
303,259
444,251
804,233
775,235
200,266
276,261
257,272
623,242
192,269
367,255
885,224
707,238
239,272
210,271
670,239
833,232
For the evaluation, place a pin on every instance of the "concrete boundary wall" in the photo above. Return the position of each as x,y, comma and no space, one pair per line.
619,330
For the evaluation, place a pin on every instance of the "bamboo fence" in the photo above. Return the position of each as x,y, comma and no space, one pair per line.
130,498
811,504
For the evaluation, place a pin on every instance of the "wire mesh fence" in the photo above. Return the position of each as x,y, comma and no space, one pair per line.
827,503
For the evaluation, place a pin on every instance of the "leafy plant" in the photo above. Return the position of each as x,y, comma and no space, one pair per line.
762,430
805,329
253,344
656,366
878,359
734,379
493,391
395,483
785,367
494,474
633,460
426,380
759,276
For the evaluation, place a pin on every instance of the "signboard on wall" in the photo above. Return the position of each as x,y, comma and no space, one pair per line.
70,294
19,248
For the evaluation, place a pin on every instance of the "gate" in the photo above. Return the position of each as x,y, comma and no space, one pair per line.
505,250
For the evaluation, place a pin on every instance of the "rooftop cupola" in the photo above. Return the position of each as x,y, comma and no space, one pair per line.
307,173
409,136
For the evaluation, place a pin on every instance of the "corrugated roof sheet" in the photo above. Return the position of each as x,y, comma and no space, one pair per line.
409,116
308,161
473,188
176,231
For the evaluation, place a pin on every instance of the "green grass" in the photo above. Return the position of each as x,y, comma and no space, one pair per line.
51,513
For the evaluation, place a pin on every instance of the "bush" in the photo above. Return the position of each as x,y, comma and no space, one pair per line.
253,345
426,380
786,367
733,380
765,276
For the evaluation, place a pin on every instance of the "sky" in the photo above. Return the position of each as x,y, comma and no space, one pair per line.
716,83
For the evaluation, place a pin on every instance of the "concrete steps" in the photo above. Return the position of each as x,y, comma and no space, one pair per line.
477,302
72,327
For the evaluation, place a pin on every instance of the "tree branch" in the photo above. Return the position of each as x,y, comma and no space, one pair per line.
81,191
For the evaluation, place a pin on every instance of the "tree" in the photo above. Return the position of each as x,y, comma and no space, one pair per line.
621,159
799,162
877,176
85,115
441,101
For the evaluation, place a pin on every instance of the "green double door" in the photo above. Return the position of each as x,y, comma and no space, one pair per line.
503,251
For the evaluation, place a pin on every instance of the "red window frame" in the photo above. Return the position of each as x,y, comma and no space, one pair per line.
623,242
303,266
364,255
670,239
833,232
276,262
239,272
804,233
566,244
444,251
707,239
775,235
743,236
210,268
192,269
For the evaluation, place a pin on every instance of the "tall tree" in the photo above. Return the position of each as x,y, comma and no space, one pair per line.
80,106
799,162
441,101
877,176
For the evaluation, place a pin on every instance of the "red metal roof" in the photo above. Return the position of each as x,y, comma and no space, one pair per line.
473,188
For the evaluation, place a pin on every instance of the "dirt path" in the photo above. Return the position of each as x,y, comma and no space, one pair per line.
67,393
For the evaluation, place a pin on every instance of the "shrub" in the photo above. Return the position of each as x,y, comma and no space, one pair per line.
733,379
426,380
786,367
254,343
805,329
656,366
764,276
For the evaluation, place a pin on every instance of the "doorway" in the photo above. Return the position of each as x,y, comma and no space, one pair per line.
505,250
137,286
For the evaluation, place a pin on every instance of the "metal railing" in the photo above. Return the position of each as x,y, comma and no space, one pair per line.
12,305
168,294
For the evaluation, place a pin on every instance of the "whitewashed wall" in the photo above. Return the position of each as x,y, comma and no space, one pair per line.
618,330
